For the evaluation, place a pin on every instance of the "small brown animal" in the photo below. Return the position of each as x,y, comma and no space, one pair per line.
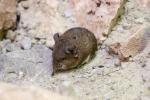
73,48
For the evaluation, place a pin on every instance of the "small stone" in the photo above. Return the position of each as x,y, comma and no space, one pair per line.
25,5
11,76
4,43
43,41
66,83
34,41
126,26
67,13
21,74
143,65
11,35
26,43
117,63
4,50
120,29
11,47
39,43
48,43
140,20
5,46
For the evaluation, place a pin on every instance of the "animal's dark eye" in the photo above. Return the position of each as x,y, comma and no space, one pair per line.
74,37
63,58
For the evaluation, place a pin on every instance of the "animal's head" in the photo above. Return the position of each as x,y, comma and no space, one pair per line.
65,54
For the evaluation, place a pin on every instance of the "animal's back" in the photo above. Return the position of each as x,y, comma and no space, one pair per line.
83,39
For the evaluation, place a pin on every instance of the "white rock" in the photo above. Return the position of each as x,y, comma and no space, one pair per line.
67,13
9,91
26,43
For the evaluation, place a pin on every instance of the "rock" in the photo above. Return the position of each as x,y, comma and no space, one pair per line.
117,63
135,44
140,20
144,3
114,48
11,35
34,64
7,46
44,22
25,5
34,41
55,16
48,43
7,15
99,16
26,43
68,13
9,91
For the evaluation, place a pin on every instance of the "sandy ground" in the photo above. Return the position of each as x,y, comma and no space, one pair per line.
100,79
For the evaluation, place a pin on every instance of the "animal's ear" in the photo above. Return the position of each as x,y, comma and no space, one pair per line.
56,36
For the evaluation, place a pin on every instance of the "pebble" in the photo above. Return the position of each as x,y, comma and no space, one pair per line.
7,46
117,63
139,20
48,43
11,35
126,26
25,5
34,41
21,74
43,41
67,13
26,43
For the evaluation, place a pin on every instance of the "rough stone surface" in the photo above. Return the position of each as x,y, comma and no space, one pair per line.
7,15
28,65
11,35
8,91
46,20
135,44
26,43
104,78
99,16
54,16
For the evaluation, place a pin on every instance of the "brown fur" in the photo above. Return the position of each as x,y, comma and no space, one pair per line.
72,48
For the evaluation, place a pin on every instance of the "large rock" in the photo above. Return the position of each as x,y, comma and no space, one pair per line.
7,15
135,43
41,19
99,16
26,65
9,91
